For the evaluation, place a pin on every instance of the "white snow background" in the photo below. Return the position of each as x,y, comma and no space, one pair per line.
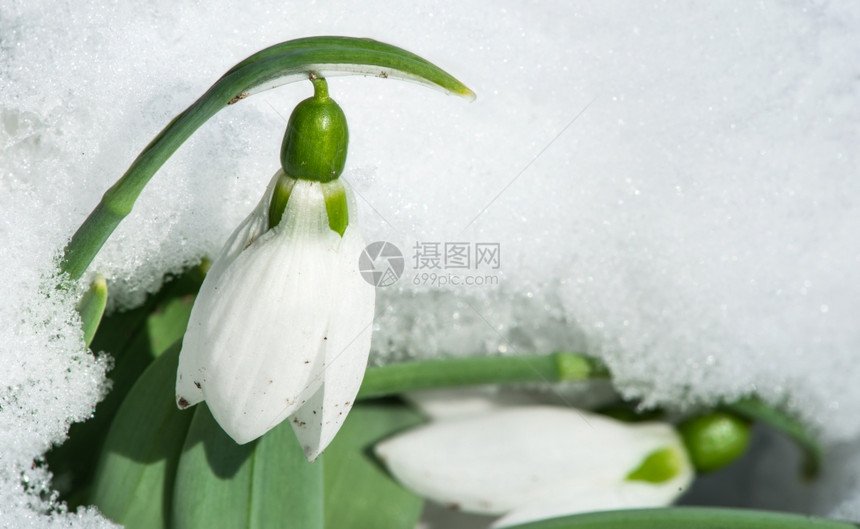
698,225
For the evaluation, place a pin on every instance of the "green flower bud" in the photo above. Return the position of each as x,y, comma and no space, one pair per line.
715,440
316,140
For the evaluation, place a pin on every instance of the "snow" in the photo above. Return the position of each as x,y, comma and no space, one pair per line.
673,186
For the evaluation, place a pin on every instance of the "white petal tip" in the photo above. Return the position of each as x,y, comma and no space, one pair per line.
183,402
311,454
308,430
242,433
242,439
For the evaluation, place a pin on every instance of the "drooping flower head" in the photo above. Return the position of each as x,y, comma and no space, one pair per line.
281,327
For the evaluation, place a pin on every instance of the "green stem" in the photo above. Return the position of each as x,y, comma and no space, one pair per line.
451,372
280,64
687,518
755,409
320,88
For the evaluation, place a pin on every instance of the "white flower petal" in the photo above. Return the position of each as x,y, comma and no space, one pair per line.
189,393
347,346
256,329
577,498
188,390
254,225
494,463
581,494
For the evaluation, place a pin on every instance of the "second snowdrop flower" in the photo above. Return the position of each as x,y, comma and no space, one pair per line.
281,327
535,462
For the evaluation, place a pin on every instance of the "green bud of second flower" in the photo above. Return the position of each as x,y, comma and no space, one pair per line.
315,144
715,440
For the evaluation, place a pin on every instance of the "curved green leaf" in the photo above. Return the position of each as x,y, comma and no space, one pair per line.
687,518
358,491
333,55
274,66
266,483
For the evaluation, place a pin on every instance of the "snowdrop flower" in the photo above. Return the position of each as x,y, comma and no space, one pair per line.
281,327
536,462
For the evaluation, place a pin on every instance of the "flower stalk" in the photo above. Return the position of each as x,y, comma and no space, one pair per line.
471,371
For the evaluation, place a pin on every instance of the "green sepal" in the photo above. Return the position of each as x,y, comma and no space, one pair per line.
573,367
336,206
336,202
91,307
358,490
134,478
280,197
715,440
261,484
317,138
659,466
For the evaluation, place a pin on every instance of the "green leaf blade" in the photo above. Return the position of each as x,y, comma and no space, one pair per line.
168,323
134,477
263,484
358,491
687,518
334,55
133,338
